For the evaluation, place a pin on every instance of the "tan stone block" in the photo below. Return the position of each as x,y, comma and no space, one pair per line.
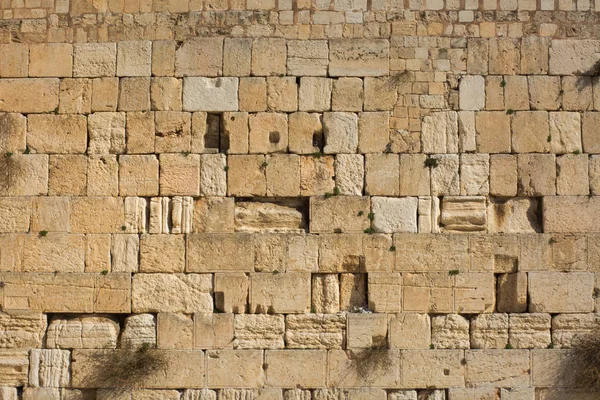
49,367
382,174
257,331
433,252
96,215
219,252
138,175
367,331
162,253
231,292
22,330
185,293
414,175
287,293
359,57
547,369
49,60
516,94
179,175
199,57
537,174
353,292
450,332
497,253
572,330
269,252
246,175
134,94
314,94
57,252
489,331
253,94
140,132
268,133
517,215
503,175
571,292
174,331
379,253
296,368
29,95
494,93
373,132
432,292
12,133
214,214
235,369
591,132
445,176
269,56
14,366
97,257
305,133
544,92
371,368
316,175
474,393
474,292
213,177
82,333
379,94
282,94
237,54
504,56
322,331
341,132
534,55
213,331
385,291
14,214
105,93
307,57
165,94
577,93
235,132
529,331
103,175
163,57
57,133
512,292
183,368
565,132
572,175
94,59
344,213
497,367
349,174
173,131
24,174
125,253
474,174
530,132
347,94
75,96
107,133
437,368
409,331
15,63
134,58
471,92
325,293
477,55
493,132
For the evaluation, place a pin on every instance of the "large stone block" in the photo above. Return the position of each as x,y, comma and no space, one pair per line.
571,213
450,332
296,368
367,367
287,293
268,56
472,92
385,291
15,214
348,214
187,293
14,367
82,333
107,133
325,293
49,368
235,369
16,62
179,175
97,215
489,331
433,368
393,215
231,292
22,329
307,57
536,174
529,330
219,252
445,176
199,57
94,59
430,252
210,94
493,132
463,213
315,331
409,331
174,331
13,129
517,215
497,368
573,56
359,57
213,331
556,292
349,174
57,252
246,175
258,331
162,253
268,133
57,133
29,95
52,59
134,58
138,175
314,94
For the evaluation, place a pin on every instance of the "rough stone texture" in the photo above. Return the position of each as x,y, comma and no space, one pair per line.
394,215
527,331
472,92
210,94
409,331
82,333
570,292
186,293
22,329
315,331
258,332
341,132
450,332
489,331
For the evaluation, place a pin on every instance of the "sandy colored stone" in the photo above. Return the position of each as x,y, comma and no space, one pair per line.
296,368
246,175
57,133
75,96
268,133
503,175
414,175
325,293
349,174
463,213
493,132
307,57
235,132
186,293
16,62
57,252
134,94
256,331
287,293
571,292
237,53
358,57
341,132
14,365
179,174
134,58
394,214
163,57
268,56
253,94
438,368
213,177
536,174
174,331
445,176
353,292
213,331
50,60
12,132
347,94
235,369
316,175
320,331
165,94
529,331
162,253
450,332
22,329
381,368
504,56
489,331
24,175
379,94
516,93
544,92
472,92
213,214
96,215
103,175
219,252
94,59
382,174
14,214
572,175
105,93
409,331
282,94
517,215
268,217
378,252
231,292
487,368
431,292
534,55
138,175
512,292
577,93
373,132
314,94
82,333
570,56
440,132
49,368
305,133
210,94
344,213
570,214
450,251
199,57
565,132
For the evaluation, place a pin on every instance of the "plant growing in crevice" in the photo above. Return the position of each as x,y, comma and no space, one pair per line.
453,272
43,233
431,162
580,366
372,362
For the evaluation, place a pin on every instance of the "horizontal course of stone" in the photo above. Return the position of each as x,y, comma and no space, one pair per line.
297,200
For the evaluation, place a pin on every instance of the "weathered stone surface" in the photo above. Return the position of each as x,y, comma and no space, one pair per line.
186,293
414,175
307,57
82,333
315,331
54,134
231,292
385,291
517,215
497,368
463,214
133,58
565,132
317,175
472,92
570,292
436,252
570,56
213,331
296,368
49,368
14,366
511,292
372,368
199,57
440,132
349,174
358,57
219,252
348,214
139,330
287,293
493,132
437,368
94,59
570,213
341,132
573,330
537,174
393,215
268,56
174,331
489,331
474,174
325,293
367,330
409,331
503,175
210,94
529,331
258,331
572,175
268,133
450,332
382,174
445,176
235,369
22,329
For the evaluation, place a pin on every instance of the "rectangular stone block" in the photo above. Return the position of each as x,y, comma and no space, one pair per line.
49,60
22,329
179,175
174,331
94,59
489,331
199,57
269,56
571,214
54,134
14,365
409,331
186,293
16,62
385,291
367,367
97,215
348,214
231,292
418,252
258,331
210,94
296,368
134,58
49,368
432,292
315,331
556,292
56,252
497,368
235,369
359,57
341,253
162,253
450,332
29,95
220,252
287,293
82,333
213,331
340,130
433,368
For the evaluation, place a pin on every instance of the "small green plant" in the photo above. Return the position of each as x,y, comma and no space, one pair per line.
226,168
185,153
392,248
369,231
552,240
317,154
328,195
27,151
577,152
431,162
510,111
104,272
508,346
371,216
453,272
275,272
9,154
549,139
550,345
336,191
43,233
360,214
503,83
431,346
264,164
123,227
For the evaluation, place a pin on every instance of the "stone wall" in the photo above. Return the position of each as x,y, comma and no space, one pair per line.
295,200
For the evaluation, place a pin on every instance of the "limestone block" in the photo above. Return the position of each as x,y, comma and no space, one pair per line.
569,56
139,330
235,369
431,292
445,176
414,175
213,331
517,215
140,132
379,94
253,94
516,94
199,57
518,393
489,331
368,367
536,174
373,132
82,333
503,175
237,53
529,331
591,132
307,57
317,175
246,176
493,132
450,332
14,214
134,94
182,368
565,132
497,368
463,214
296,368
572,175
474,292
494,93
256,331
349,174
173,132
297,394
348,214
49,368
231,292
210,94
179,174
138,175
24,174
353,292
385,291
433,368
341,132
163,57
359,57
325,293
378,252
29,95
57,252
269,252
174,331
165,94
219,252
133,58
16,62
57,133
315,331
512,292
22,329
466,131
395,214
107,133
185,293
534,55
105,93
94,59
8,393
382,174
472,92
97,257
14,365
67,175
49,60
268,56
287,293
268,133
430,252
12,132
440,132
530,132
594,174
474,174
570,214
474,393
268,217
547,369
103,175
305,133
347,94
282,93
573,330
504,56
571,292
367,331
213,177
497,253
235,132
96,215
162,253
233,394
544,92
477,56
577,93
409,331
314,94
